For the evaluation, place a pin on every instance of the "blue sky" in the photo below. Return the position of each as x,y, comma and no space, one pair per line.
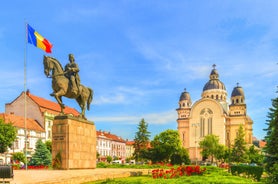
138,56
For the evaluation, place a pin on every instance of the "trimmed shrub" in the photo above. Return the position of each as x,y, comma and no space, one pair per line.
254,172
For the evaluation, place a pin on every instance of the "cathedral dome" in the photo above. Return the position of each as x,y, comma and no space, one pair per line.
185,99
214,82
214,88
237,91
185,96
237,96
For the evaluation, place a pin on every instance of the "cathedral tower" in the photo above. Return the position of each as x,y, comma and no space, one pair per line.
183,117
238,116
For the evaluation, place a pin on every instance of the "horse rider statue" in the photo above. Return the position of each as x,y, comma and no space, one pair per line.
71,72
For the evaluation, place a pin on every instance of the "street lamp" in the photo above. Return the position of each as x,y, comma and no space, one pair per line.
195,125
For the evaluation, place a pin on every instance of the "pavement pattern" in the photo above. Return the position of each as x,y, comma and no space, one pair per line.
72,176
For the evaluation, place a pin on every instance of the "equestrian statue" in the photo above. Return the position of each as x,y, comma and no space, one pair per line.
67,83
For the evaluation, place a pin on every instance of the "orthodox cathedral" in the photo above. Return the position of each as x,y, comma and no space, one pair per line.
212,114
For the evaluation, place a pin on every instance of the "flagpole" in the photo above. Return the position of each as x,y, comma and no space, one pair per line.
25,106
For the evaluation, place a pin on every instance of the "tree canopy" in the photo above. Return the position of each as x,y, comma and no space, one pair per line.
19,157
254,155
7,135
141,140
42,155
166,147
211,148
239,151
271,138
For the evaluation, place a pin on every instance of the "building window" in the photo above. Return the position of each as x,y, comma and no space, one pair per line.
205,122
202,127
183,137
16,145
209,125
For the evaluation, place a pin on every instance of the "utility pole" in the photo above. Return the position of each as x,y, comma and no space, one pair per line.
195,125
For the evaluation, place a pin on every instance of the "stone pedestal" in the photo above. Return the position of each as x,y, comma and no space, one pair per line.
74,142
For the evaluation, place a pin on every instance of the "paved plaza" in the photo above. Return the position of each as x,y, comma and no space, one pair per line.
72,176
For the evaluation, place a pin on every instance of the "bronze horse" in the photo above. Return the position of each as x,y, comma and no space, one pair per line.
61,86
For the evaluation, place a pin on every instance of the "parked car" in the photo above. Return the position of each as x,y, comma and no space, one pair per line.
116,162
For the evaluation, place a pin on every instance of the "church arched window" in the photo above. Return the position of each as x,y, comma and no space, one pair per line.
205,122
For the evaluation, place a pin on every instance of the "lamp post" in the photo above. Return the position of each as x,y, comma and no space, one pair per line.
195,125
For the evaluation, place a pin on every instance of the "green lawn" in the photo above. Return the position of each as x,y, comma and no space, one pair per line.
212,175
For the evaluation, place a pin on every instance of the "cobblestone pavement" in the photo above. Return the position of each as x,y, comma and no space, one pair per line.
72,176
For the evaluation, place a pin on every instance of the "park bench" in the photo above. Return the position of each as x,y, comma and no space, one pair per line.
6,173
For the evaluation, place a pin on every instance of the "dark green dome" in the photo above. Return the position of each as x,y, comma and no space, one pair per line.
214,82
237,91
185,96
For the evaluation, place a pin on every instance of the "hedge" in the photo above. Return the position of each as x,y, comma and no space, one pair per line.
254,172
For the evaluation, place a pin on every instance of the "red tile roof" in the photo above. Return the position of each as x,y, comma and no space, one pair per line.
52,107
108,135
262,143
130,143
18,122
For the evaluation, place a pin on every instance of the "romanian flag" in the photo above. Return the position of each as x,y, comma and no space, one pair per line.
37,40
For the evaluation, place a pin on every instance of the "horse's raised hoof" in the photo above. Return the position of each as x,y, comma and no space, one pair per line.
52,94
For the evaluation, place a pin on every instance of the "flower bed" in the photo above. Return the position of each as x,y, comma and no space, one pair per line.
178,172
37,167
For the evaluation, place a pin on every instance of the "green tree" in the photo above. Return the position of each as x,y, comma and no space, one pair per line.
109,159
42,155
221,153
239,149
165,145
254,155
180,157
141,140
271,148
211,148
19,156
48,144
227,154
7,135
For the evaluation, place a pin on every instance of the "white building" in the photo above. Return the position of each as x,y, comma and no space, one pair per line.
110,145
34,132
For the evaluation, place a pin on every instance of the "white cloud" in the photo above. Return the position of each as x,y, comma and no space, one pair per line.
165,117
129,95
111,99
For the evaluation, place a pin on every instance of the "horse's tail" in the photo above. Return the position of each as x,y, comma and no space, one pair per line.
90,98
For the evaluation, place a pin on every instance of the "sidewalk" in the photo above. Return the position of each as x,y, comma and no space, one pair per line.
72,176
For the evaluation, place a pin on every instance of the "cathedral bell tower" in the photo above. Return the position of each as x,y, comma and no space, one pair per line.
183,117
238,106
238,116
